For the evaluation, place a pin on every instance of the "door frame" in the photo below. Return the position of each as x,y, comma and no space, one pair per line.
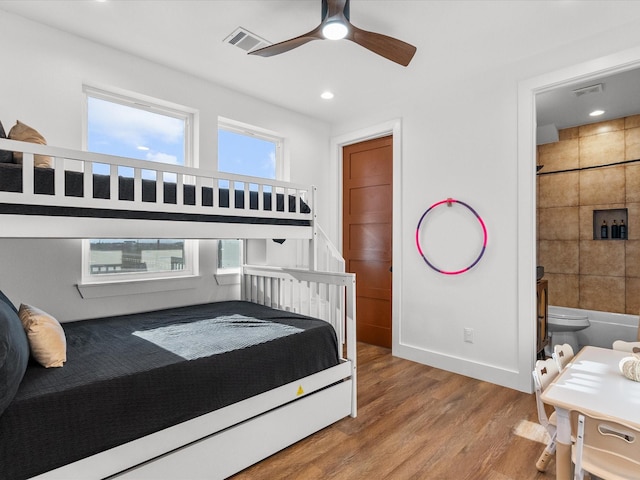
394,128
527,90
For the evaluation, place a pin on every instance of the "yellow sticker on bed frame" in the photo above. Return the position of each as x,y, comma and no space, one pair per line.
300,391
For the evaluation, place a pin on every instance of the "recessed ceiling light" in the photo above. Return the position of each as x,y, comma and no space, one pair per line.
596,113
327,95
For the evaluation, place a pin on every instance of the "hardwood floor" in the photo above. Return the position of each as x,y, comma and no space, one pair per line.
418,422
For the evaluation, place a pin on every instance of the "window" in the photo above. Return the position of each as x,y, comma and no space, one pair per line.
145,130
246,153
229,255
245,150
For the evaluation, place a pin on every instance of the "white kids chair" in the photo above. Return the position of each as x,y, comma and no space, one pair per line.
543,375
562,354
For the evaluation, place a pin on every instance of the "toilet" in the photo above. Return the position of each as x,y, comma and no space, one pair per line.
563,327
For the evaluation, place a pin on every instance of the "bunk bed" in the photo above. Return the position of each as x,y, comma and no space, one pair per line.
206,204
178,430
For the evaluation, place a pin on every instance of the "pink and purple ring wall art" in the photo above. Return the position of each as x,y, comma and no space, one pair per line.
450,202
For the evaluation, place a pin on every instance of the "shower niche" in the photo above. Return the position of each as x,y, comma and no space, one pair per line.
610,224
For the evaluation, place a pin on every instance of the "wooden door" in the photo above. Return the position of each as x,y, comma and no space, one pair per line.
367,197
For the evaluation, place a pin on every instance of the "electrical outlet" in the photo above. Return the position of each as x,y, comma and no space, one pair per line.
468,335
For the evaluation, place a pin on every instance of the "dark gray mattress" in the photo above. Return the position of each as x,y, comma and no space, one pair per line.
121,382
11,181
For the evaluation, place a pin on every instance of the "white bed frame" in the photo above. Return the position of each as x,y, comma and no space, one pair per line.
46,226
223,442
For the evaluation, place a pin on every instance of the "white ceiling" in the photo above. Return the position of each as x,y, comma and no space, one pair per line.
455,39
620,97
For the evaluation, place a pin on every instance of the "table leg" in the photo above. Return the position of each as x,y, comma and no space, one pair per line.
563,461
563,446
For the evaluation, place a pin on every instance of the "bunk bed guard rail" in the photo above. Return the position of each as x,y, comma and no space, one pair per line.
103,189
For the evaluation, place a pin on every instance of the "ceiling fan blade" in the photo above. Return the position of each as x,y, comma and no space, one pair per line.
388,47
278,48
338,11
331,9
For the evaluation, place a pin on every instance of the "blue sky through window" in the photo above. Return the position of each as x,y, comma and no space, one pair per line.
246,155
116,129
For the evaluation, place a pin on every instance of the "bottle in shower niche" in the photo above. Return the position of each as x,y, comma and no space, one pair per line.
604,230
615,230
622,229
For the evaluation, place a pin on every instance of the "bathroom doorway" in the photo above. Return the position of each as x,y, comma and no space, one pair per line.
527,218
588,167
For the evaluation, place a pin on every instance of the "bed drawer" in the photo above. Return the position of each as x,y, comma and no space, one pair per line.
223,454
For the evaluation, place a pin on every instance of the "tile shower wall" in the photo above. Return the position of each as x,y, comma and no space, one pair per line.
582,272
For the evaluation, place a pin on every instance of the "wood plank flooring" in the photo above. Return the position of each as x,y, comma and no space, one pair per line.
418,422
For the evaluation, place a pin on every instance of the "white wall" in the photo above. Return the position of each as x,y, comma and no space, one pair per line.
44,71
468,138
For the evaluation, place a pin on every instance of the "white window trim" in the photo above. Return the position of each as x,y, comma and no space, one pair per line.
117,284
137,287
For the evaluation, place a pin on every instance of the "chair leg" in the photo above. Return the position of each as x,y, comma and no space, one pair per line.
543,461
547,453
578,472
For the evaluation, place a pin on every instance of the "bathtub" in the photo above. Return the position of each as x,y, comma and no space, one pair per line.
605,327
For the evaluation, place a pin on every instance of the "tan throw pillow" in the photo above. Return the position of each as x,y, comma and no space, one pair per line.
46,336
25,133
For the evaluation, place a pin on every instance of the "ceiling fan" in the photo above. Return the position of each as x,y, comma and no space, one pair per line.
335,25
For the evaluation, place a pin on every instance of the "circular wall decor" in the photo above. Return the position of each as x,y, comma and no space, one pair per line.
449,202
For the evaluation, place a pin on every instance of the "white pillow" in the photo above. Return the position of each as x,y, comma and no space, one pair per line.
46,336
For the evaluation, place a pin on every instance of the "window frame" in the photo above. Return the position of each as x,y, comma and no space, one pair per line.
157,106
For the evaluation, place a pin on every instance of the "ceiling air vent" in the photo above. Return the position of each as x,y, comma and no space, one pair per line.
579,92
244,39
